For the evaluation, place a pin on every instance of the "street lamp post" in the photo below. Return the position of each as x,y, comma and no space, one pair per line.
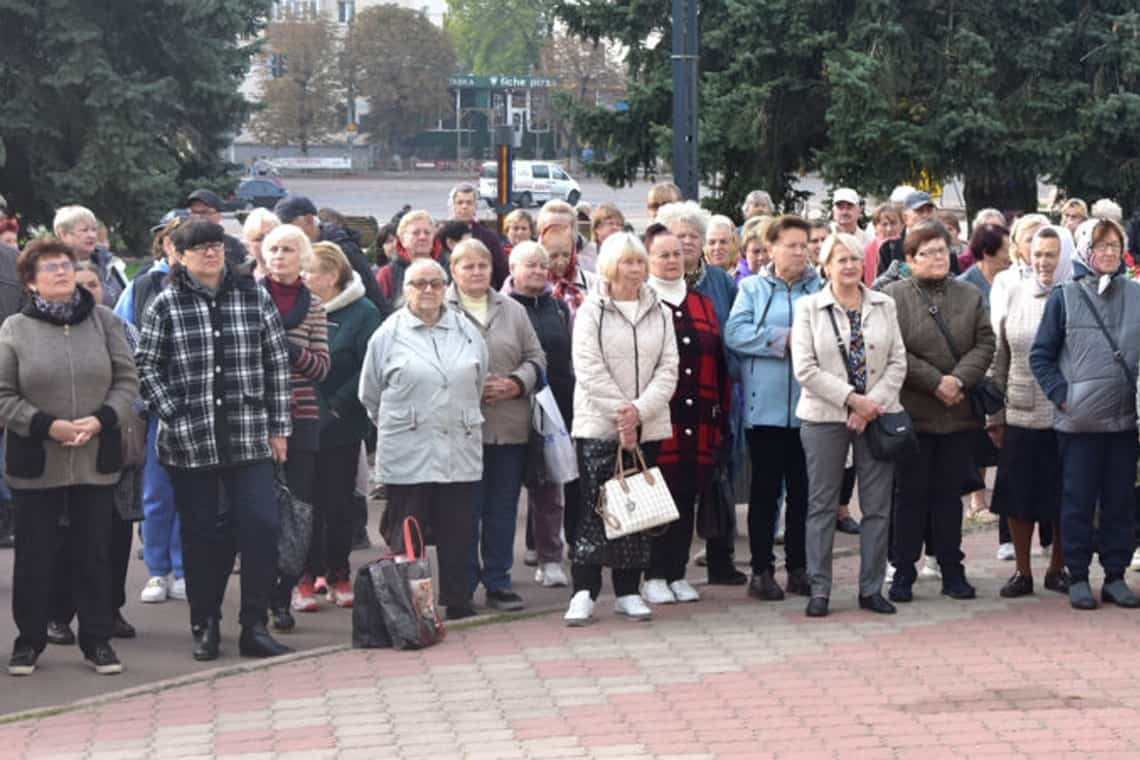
685,98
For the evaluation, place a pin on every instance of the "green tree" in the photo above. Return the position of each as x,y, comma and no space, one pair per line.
498,36
299,76
120,105
399,62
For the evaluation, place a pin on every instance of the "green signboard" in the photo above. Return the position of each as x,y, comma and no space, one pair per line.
501,82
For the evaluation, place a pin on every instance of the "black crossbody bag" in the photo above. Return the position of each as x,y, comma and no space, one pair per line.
890,436
986,398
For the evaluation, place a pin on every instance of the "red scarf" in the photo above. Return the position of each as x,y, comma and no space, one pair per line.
566,287
285,296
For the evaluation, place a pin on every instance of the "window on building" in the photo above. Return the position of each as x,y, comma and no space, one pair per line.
345,10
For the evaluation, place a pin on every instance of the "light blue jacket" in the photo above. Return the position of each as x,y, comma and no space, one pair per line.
759,331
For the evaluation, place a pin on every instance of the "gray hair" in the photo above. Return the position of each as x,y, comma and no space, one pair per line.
257,221
289,232
424,262
67,217
981,216
1023,223
685,212
527,249
757,198
722,222
618,246
462,187
839,240
1106,208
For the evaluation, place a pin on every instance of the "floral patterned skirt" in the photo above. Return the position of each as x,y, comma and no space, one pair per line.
591,547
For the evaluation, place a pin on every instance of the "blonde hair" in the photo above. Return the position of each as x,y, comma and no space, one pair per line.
292,233
617,247
839,240
1078,204
662,193
413,216
257,221
755,229
469,247
328,257
604,213
555,213
685,212
519,215
67,217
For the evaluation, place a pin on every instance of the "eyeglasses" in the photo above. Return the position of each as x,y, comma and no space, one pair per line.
427,284
51,267
933,252
205,248
1107,248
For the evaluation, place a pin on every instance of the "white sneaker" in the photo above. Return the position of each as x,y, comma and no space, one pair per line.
890,574
178,589
580,611
633,607
683,591
155,590
1006,553
1135,559
931,569
550,575
656,591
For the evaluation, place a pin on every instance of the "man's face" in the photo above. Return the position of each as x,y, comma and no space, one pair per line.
203,211
815,243
846,215
463,207
914,216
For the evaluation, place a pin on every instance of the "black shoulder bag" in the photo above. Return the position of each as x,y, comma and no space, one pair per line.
986,398
890,436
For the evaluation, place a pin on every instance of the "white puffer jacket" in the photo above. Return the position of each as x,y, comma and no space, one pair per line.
617,361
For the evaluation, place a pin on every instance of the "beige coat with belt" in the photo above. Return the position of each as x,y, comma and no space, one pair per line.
617,361
819,366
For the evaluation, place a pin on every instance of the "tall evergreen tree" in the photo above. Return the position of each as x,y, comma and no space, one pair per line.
120,105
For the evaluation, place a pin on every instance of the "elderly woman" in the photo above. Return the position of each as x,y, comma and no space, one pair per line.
699,413
754,248
520,228
306,328
757,203
550,317
688,222
1074,212
659,195
887,221
66,382
850,361
516,364
214,367
78,228
625,361
1028,486
759,331
352,319
569,282
259,223
416,240
1085,357
421,384
605,220
721,249
941,373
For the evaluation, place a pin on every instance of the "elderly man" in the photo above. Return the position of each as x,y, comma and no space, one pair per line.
845,208
917,207
757,203
461,202
302,212
205,204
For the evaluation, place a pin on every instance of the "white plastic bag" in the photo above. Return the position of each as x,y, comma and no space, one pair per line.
559,457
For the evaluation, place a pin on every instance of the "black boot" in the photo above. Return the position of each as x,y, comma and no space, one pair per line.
255,641
7,525
207,640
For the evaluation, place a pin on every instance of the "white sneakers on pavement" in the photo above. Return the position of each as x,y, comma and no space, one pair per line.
683,591
580,611
633,607
1006,553
931,569
177,589
657,591
155,590
550,575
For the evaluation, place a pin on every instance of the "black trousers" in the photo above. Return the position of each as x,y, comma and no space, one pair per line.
669,552
777,459
928,488
300,472
38,511
448,510
589,578
62,595
211,537
334,512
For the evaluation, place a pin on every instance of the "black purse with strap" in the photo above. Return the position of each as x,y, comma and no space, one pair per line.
986,398
890,436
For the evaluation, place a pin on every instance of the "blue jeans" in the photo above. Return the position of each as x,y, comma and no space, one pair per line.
496,512
162,542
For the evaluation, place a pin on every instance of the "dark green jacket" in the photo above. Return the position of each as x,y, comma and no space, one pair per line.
352,319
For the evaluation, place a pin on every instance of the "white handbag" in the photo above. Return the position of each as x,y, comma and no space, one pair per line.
635,500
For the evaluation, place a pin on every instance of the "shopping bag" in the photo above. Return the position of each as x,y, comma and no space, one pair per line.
560,461
398,591
296,528
637,500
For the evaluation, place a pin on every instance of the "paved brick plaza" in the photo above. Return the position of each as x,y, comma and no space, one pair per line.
725,678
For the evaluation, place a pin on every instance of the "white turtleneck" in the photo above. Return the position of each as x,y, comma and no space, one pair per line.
670,291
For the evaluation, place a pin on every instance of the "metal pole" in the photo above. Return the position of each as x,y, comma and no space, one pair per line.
458,125
686,172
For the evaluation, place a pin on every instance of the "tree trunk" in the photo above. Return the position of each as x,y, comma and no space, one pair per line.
1007,191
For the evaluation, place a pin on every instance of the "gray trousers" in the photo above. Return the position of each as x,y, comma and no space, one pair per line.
825,449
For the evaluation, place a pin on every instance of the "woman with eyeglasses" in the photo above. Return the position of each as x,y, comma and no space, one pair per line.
1084,357
422,384
939,379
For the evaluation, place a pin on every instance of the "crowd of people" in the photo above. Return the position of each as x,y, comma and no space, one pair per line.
788,353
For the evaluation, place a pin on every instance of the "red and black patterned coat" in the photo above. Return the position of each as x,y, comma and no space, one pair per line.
700,406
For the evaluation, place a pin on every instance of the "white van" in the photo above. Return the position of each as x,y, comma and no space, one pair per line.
535,182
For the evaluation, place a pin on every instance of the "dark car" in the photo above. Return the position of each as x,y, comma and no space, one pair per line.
258,191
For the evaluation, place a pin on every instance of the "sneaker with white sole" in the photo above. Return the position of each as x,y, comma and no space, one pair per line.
304,597
656,591
1136,560
340,593
683,591
931,569
1006,553
580,611
633,607
178,589
156,590
550,575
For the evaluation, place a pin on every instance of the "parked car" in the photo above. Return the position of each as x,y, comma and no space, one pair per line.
535,182
258,191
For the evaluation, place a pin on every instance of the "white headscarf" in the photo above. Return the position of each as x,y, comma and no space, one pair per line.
1083,241
1064,271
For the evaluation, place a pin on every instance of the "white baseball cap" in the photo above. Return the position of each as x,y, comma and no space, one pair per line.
845,194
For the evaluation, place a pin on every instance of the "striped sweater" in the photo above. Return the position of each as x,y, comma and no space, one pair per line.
306,328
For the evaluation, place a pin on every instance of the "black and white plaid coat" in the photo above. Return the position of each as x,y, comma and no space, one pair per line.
215,369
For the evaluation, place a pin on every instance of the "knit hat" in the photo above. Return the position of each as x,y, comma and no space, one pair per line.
292,206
